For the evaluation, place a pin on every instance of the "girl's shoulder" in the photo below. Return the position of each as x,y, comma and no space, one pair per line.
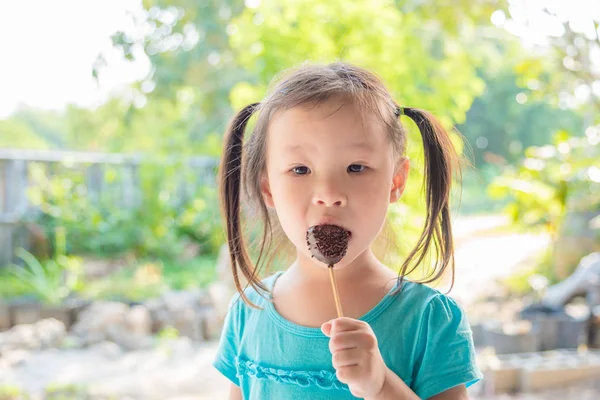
421,300
257,297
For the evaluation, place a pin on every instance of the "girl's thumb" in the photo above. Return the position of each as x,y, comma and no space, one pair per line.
326,328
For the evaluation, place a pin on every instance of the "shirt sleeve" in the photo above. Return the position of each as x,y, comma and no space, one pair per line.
227,350
445,350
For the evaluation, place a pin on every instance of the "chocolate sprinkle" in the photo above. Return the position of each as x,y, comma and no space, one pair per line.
327,243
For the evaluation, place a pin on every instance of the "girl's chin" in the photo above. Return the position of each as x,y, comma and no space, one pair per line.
344,263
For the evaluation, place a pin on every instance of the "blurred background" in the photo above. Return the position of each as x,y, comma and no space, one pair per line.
113,279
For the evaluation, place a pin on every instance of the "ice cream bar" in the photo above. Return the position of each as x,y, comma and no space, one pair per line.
327,243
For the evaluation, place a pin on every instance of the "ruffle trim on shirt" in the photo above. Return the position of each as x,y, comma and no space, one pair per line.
323,379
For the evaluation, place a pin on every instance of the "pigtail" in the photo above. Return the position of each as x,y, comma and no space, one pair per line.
441,160
230,177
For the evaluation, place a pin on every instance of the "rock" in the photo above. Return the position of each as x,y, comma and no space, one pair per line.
44,334
176,301
220,295
188,323
156,312
585,279
128,340
26,314
211,323
93,323
577,237
185,311
5,320
92,338
73,342
109,350
129,328
16,357
19,337
224,268
204,299
180,348
138,321
51,333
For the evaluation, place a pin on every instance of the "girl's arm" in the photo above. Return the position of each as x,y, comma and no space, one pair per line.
456,393
234,392
395,388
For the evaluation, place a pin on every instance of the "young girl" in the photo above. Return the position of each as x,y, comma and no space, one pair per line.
328,148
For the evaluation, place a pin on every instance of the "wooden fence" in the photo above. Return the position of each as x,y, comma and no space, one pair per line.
15,168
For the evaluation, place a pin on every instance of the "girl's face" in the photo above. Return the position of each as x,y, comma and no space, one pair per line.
326,164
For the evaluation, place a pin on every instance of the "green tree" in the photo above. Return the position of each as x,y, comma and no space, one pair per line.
209,57
423,65
18,135
562,69
506,119
197,55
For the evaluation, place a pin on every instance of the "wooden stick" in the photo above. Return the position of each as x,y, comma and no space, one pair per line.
336,296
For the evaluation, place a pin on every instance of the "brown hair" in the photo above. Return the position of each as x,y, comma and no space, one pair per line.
243,164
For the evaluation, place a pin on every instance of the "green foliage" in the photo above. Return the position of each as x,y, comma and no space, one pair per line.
53,280
150,279
472,198
200,220
159,222
167,333
563,71
16,134
422,65
11,392
551,179
506,119
193,73
66,392
11,286
30,128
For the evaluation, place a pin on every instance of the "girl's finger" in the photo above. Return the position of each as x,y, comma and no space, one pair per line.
350,340
343,341
345,324
346,358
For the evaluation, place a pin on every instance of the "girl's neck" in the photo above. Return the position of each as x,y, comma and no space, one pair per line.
365,266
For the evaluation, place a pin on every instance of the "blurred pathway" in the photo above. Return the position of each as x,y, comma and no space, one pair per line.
482,256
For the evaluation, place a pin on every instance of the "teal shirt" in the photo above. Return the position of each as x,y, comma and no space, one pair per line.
423,336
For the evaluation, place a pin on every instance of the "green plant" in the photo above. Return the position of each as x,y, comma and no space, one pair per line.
553,179
167,333
11,286
53,280
200,220
11,392
165,214
66,392
151,278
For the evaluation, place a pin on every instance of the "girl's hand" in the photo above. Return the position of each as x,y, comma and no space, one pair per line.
355,356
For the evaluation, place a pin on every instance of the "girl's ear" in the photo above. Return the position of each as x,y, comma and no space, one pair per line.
265,189
399,179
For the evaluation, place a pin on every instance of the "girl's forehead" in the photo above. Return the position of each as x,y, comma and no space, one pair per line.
320,121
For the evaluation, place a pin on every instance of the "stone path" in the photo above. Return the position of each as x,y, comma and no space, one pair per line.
178,369
481,260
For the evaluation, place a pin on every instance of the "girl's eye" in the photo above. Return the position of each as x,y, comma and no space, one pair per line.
300,170
356,168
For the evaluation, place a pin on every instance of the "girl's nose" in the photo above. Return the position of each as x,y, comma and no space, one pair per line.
330,197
